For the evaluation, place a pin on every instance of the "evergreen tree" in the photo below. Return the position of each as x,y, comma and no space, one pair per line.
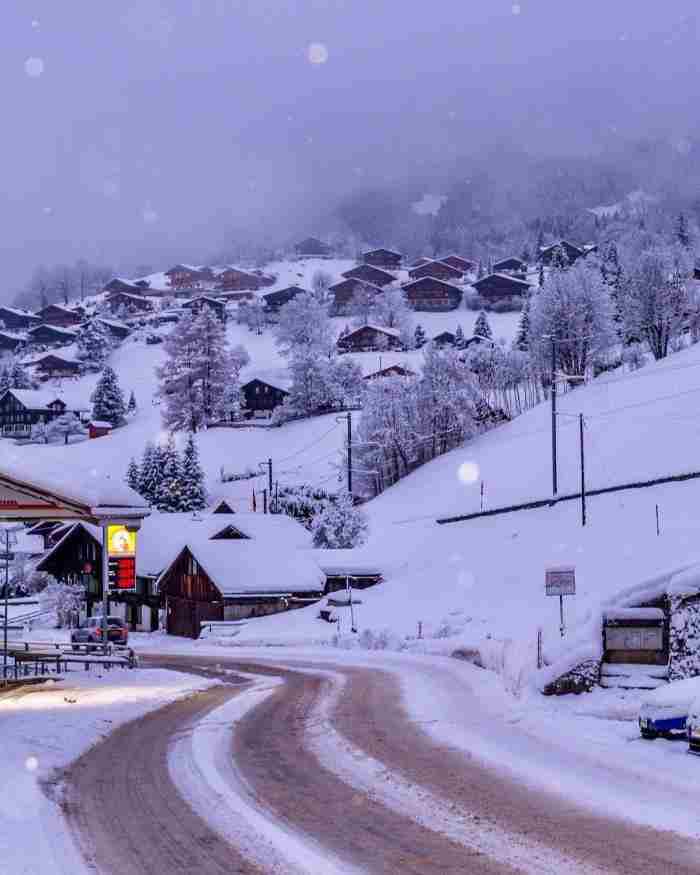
340,525
682,232
133,475
459,338
194,495
149,473
107,399
419,337
14,376
482,327
131,406
169,491
94,345
522,339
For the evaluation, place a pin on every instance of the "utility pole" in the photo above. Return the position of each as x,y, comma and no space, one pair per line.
583,471
350,453
264,500
268,465
553,395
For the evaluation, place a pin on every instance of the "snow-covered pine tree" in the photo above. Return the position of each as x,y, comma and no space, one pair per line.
133,475
19,378
131,406
419,337
340,525
94,345
150,472
169,492
107,399
194,494
522,338
482,327
459,338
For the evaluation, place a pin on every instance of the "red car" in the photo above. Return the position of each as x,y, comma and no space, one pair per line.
91,632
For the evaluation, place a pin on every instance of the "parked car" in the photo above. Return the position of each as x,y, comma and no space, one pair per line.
664,711
152,339
693,726
90,632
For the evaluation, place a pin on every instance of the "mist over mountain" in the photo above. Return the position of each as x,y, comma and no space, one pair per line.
156,130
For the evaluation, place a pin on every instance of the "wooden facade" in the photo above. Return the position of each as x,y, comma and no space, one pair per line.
17,320
196,305
10,342
312,247
130,303
50,335
497,286
431,294
369,338
189,597
369,274
438,270
183,276
231,279
344,292
274,301
465,265
444,339
386,259
570,250
22,409
60,317
51,366
510,265
262,397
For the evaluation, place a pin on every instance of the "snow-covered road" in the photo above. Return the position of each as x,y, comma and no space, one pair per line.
343,763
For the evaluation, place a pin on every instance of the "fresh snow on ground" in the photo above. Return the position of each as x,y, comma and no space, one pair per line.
48,726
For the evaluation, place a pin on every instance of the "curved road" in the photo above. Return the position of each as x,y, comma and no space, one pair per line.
153,830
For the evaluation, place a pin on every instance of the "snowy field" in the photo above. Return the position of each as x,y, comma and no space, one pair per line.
47,727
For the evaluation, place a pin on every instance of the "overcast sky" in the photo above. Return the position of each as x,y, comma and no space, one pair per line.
146,130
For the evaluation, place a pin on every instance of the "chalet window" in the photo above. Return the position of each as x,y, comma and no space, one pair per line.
192,566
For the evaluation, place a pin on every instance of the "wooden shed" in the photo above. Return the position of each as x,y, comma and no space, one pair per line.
497,286
370,338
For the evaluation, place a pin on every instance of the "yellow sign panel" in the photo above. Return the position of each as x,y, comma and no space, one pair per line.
120,542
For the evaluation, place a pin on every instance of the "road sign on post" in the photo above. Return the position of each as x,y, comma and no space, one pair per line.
560,581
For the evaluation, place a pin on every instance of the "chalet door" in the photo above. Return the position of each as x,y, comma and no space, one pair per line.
180,618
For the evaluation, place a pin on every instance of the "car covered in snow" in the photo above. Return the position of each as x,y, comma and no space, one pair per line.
693,727
664,711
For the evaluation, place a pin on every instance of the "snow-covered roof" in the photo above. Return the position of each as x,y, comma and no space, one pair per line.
394,332
62,356
164,535
99,423
114,323
280,378
338,563
13,335
17,312
68,531
66,332
504,276
35,399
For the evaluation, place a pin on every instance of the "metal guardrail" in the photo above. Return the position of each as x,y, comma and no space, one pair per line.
36,655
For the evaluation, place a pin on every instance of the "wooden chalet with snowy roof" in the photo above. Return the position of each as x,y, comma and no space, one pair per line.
500,286
53,365
391,371
431,294
185,276
114,327
512,265
60,316
436,270
116,285
369,274
50,335
370,338
422,259
20,409
465,265
10,342
312,247
75,557
274,301
444,339
130,303
385,259
17,320
570,250
232,279
264,393
196,305
344,292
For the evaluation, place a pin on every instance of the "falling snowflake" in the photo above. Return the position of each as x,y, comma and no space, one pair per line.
150,216
468,472
35,24
516,8
317,53
31,764
48,211
34,67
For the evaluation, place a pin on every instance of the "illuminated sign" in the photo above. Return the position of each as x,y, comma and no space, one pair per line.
120,541
122,573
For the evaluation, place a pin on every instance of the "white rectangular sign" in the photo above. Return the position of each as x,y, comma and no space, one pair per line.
560,581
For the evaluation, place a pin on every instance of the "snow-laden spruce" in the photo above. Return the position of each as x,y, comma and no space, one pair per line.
107,399
94,345
340,525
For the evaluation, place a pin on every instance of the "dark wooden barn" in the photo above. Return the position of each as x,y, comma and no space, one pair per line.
114,328
59,316
369,274
465,265
391,371
9,342
53,365
116,285
130,303
386,259
50,335
275,300
444,339
437,270
570,250
312,247
497,286
432,294
17,320
510,265
196,305
370,338
20,409
262,397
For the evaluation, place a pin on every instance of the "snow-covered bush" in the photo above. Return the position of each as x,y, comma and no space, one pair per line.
108,400
340,524
63,598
